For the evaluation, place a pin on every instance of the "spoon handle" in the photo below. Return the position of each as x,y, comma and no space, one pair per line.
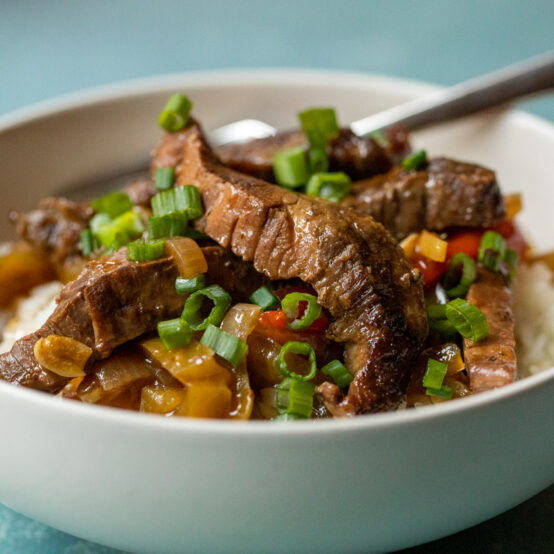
491,90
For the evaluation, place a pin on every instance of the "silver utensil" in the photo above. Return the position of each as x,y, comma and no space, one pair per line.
491,90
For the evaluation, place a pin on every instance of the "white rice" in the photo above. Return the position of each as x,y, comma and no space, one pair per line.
533,309
30,313
534,318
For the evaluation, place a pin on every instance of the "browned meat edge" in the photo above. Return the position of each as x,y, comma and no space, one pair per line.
491,362
446,194
357,270
114,301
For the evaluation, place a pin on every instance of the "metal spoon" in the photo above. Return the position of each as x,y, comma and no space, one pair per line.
488,91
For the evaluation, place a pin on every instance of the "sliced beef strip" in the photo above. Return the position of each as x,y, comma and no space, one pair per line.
360,157
114,301
491,362
446,194
359,273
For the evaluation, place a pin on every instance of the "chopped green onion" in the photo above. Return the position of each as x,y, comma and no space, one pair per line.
295,347
511,257
98,221
188,286
116,233
443,392
468,319
318,160
192,312
167,226
380,138
113,204
295,396
174,333
287,417
331,186
141,251
415,161
446,330
265,298
436,311
434,376
291,167
176,113
492,250
227,346
457,285
87,242
164,178
338,372
319,125
184,200
291,307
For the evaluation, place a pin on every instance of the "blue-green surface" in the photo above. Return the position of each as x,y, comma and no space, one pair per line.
49,48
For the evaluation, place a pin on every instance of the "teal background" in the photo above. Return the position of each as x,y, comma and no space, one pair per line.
50,48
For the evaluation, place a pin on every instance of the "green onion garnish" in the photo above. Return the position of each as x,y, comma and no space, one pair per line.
295,347
511,257
113,204
287,417
184,200
319,125
492,250
415,161
188,286
164,178
318,160
117,232
291,307
291,167
446,330
87,242
434,376
141,251
436,311
192,312
295,396
167,226
174,333
227,346
468,319
338,372
380,138
443,392
460,275
265,298
176,113
331,186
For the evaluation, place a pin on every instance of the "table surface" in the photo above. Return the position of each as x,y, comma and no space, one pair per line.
50,48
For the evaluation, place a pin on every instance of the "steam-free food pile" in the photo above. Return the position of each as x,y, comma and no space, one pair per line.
313,274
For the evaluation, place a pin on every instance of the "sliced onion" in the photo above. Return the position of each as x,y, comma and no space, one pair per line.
433,247
241,319
266,403
189,364
188,256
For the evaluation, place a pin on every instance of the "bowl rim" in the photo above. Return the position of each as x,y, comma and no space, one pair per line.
285,77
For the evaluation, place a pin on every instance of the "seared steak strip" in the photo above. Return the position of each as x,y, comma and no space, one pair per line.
446,194
357,270
114,301
360,157
491,362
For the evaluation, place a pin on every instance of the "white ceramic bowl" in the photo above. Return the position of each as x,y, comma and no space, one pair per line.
375,483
